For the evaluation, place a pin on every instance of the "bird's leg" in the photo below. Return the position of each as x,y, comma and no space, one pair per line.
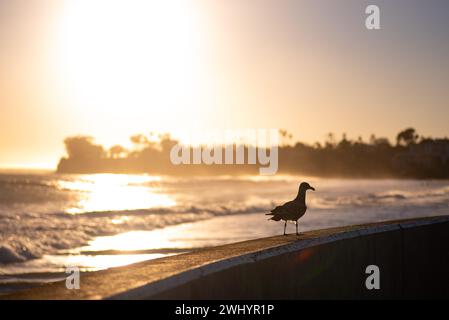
285,226
296,223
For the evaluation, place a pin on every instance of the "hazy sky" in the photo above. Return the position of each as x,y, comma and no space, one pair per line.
111,69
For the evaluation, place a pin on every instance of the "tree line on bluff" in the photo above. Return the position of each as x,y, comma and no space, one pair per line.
412,156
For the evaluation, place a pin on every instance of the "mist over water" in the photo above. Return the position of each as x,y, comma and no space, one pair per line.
98,221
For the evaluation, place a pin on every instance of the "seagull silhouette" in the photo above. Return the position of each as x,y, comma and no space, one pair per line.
292,210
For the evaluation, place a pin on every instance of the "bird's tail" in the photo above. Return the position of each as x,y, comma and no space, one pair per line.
275,218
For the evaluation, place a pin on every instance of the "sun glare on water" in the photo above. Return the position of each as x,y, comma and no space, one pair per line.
113,192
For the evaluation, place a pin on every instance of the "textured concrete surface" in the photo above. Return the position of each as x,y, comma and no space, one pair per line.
413,257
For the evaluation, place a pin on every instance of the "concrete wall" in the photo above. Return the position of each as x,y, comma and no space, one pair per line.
413,258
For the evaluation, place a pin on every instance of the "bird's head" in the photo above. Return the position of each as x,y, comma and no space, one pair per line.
304,186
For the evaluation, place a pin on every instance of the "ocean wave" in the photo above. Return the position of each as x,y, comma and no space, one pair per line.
31,236
436,196
10,254
17,182
215,210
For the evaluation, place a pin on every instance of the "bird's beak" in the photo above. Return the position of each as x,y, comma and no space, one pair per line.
312,188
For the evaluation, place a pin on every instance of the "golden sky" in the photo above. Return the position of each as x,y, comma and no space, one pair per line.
111,69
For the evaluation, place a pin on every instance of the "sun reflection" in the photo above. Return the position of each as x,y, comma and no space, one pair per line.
112,192
99,262
139,240
135,246
120,220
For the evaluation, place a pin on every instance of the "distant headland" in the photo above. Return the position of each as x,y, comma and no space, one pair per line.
411,156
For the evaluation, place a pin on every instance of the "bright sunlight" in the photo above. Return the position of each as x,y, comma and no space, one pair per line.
145,57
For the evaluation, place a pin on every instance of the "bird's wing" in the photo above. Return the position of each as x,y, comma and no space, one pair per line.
274,211
278,209
286,210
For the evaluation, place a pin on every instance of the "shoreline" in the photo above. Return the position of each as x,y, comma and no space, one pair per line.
152,278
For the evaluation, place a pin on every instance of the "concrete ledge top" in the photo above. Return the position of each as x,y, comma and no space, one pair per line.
147,278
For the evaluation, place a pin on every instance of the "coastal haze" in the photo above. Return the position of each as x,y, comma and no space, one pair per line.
94,95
